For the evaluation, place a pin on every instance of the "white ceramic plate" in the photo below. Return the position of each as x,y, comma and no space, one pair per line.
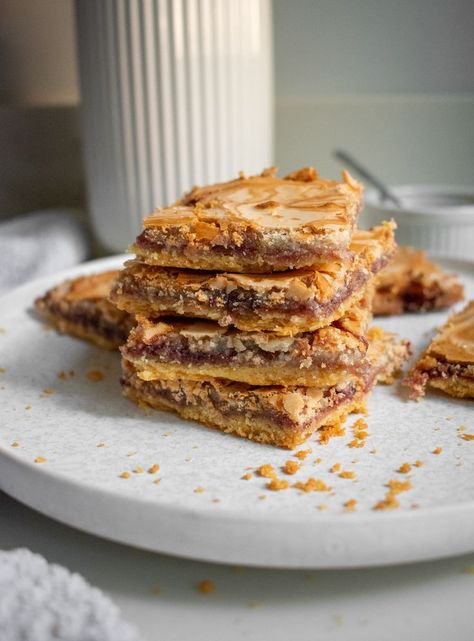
228,520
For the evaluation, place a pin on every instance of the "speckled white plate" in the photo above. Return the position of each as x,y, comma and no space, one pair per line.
228,519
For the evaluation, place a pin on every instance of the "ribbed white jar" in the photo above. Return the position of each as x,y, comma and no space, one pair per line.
174,93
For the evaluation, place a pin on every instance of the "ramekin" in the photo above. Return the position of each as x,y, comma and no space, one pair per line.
438,218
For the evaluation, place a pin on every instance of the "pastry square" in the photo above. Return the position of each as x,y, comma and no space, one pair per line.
448,362
277,415
285,302
80,308
412,283
254,224
198,350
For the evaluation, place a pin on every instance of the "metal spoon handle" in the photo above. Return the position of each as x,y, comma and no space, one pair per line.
370,178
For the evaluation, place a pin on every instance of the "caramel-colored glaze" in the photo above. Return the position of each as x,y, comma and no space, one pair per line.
301,201
455,342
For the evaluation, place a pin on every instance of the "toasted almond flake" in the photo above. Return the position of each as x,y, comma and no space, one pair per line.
291,467
246,477
267,471
278,484
205,587
153,469
437,450
125,475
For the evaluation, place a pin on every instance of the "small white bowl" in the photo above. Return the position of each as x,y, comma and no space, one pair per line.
438,218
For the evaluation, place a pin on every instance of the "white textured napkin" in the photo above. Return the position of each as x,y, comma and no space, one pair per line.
40,601
39,244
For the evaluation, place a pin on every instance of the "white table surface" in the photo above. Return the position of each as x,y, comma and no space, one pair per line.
415,602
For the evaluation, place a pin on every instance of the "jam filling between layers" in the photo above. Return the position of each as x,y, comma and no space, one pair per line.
333,398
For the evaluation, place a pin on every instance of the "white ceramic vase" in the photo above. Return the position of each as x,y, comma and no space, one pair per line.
174,93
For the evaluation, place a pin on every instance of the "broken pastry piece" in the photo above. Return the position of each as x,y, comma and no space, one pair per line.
80,308
412,283
254,224
285,303
198,350
448,363
278,415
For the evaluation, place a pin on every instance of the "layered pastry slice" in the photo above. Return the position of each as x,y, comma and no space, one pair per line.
412,283
80,307
254,224
448,362
282,416
196,350
286,302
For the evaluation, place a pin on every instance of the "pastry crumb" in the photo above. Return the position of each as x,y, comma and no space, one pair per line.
15,444
65,376
469,569
47,392
278,484
467,437
246,477
153,469
327,432
397,487
40,459
95,375
418,463
254,604
312,485
157,481
101,444
335,468
27,407
317,461
350,505
138,469
347,474
199,489
267,471
302,454
322,506
125,475
437,450
205,586
404,468
291,467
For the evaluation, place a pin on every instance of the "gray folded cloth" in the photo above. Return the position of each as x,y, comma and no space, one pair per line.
39,244
40,601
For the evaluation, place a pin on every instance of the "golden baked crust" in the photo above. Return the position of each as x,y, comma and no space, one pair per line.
278,415
254,224
283,302
412,283
80,308
196,350
448,362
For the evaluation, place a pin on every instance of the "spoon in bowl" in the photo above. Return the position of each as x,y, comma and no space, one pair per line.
384,191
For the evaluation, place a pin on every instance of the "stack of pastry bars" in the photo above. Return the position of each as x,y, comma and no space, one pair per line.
253,303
